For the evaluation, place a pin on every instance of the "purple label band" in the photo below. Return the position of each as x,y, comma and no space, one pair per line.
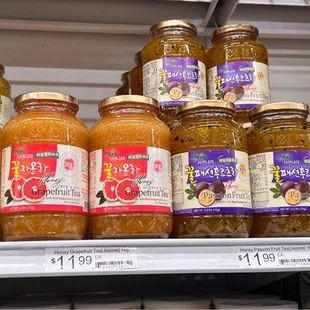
171,103
214,210
296,209
246,106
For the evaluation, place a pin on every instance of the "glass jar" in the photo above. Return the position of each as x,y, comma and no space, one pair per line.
174,68
279,148
5,98
135,76
130,170
210,172
237,69
44,182
124,89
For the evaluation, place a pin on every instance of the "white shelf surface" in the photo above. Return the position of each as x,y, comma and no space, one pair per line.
154,256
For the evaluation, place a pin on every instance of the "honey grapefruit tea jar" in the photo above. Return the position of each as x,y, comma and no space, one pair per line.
130,170
237,69
210,172
174,68
279,149
44,182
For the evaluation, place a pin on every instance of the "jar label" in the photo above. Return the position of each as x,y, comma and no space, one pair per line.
130,179
280,181
174,80
211,182
5,108
244,83
44,177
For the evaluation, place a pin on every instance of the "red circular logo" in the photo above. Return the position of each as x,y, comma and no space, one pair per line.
157,166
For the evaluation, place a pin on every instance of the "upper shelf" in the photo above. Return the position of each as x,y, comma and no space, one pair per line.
153,256
98,34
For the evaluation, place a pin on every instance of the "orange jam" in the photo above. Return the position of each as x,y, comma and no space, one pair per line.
135,76
130,170
44,182
124,89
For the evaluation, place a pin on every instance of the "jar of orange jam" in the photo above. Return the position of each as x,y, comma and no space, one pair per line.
44,182
130,170
237,69
279,149
135,76
124,89
5,98
174,70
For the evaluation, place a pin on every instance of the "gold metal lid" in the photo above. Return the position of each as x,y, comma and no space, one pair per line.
174,23
279,106
138,57
2,69
209,104
45,96
127,99
124,76
234,28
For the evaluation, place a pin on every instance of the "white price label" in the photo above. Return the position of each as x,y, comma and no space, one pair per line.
90,259
287,256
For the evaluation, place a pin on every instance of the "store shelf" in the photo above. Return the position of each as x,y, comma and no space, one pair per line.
153,256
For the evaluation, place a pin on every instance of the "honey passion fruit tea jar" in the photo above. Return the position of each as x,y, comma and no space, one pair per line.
135,76
44,181
279,149
210,172
130,170
174,68
237,69
124,89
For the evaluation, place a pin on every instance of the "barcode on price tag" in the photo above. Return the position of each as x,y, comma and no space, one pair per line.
285,256
90,259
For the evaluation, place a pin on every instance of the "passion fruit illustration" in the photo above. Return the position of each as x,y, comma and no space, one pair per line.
185,87
225,90
34,190
286,186
218,188
171,85
200,187
238,90
304,189
16,188
230,97
127,191
109,189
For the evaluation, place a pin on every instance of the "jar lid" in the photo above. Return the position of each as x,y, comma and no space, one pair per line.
173,23
235,28
209,104
279,106
2,69
124,76
127,99
45,96
138,57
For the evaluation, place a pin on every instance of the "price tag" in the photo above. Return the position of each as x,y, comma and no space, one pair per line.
286,256
90,259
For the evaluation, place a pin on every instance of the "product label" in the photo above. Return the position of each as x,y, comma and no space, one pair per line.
5,105
130,179
244,83
211,182
44,177
280,181
174,80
